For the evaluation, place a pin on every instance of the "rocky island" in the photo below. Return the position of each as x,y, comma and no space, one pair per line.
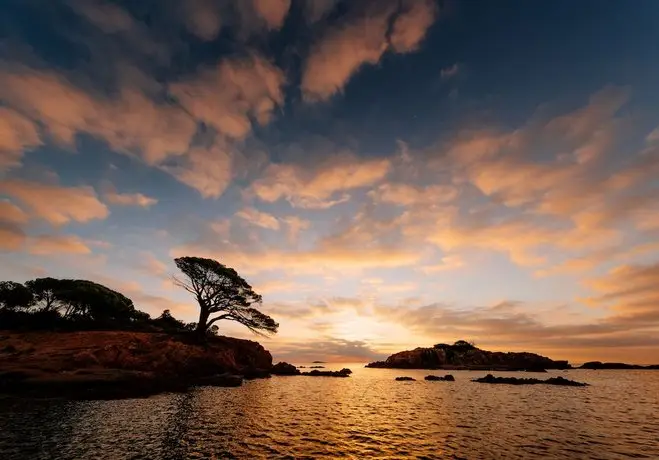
463,355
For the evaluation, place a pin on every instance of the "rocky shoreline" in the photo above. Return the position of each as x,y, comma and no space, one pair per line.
119,364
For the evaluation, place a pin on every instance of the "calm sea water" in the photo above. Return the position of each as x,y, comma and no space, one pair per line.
368,415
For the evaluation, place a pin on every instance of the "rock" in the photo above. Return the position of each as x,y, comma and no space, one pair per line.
283,368
561,381
601,365
463,355
123,364
446,378
405,379
256,374
316,367
316,373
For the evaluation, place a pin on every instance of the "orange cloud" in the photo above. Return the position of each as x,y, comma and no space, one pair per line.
363,39
228,96
412,23
203,18
410,195
318,188
17,134
272,11
632,290
56,204
11,213
129,199
11,237
259,218
342,51
57,244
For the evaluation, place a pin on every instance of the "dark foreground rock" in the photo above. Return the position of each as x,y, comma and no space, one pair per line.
465,356
437,378
405,379
283,368
489,378
119,364
601,365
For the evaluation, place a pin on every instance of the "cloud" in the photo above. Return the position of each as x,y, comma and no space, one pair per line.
17,134
57,244
630,290
295,226
316,260
450,72
229,95
272,11
412,23
12,237
129,199
11,213
203,18
56,204
411,195
315,10
226,97
318,188
446,263
259,218
362,39
330,350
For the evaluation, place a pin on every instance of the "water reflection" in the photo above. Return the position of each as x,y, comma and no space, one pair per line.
366,415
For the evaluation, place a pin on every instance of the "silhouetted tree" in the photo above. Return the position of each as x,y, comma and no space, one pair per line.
14,295
222,294
45,292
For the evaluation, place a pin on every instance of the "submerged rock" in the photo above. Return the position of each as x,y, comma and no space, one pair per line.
405,379
283,368
446,378
561,381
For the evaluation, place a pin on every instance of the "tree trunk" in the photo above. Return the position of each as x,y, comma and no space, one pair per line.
202,325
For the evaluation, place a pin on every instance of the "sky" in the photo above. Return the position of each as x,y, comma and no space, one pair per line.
387,174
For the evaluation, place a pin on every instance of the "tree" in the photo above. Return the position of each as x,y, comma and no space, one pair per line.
14,295
222,294
45,292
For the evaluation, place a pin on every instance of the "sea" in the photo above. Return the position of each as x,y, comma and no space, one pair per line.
367,415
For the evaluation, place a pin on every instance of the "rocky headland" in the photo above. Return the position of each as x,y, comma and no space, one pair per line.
118,364
464,356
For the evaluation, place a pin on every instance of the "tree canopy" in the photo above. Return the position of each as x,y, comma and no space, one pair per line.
51,302
222,294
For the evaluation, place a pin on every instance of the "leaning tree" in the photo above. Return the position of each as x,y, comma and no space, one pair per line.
222,294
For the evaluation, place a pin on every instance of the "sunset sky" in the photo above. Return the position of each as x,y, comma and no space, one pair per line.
387,174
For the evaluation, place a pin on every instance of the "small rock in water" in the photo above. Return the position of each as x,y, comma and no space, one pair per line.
405,379
561,381
437,378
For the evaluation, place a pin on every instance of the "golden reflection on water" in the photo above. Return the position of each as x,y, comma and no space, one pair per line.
368,415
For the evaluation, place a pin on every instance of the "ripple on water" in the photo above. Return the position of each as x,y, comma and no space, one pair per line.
365,416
